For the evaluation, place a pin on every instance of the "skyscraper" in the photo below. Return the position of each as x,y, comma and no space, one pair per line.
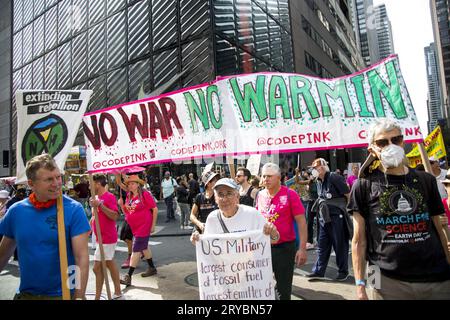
384,32
365,30
435,102
440,18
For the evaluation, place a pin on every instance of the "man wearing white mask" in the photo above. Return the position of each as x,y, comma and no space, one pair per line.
396,224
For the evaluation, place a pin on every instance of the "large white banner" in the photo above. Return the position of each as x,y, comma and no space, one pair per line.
235,266
250,114
48,122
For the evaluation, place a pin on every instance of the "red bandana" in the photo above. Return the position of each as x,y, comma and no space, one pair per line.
40,205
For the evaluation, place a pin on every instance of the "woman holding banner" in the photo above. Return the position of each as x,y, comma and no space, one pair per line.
137,205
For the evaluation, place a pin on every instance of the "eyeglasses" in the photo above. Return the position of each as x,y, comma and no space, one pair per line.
381,143
227,195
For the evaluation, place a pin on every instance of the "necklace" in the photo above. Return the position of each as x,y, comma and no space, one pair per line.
40,205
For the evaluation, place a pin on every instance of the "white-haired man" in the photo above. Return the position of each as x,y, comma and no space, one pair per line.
396,224
331,205
282,206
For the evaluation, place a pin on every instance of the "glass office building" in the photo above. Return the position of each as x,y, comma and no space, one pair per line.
121,48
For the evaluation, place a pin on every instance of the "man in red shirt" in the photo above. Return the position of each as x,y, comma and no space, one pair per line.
281,206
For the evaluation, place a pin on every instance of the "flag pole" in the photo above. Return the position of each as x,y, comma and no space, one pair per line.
62,248
99,238
230,161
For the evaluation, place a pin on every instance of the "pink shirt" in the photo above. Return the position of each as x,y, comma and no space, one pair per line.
107,225
141,218
447,210
281,210
351,180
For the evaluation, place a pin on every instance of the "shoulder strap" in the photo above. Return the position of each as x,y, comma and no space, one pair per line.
249,191
222,223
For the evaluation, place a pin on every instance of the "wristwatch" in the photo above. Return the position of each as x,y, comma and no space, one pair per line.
360,283
276,238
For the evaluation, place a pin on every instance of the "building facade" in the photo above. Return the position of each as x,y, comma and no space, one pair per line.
384,33
435,102
121,48
440,17
5,88
365,30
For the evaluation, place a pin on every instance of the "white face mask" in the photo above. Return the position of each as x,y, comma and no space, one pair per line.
392,156
314,173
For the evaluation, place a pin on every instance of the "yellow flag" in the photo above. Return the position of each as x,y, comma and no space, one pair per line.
434,145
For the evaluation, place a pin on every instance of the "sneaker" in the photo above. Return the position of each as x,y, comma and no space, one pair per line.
310,246
182,227
126,280
126,263
314,275
150,272
117,296
341,277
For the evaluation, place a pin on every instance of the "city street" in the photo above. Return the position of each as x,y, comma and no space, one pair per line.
174,257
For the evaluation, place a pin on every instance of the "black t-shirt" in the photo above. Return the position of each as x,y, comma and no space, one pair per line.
182,194
247,198
205,206
401,237
194,187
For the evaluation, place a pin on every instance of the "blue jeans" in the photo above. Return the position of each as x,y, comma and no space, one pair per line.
169,204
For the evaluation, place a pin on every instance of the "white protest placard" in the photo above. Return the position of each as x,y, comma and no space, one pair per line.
48,122
235,266
253,164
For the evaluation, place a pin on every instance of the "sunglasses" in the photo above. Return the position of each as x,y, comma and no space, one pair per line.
381,143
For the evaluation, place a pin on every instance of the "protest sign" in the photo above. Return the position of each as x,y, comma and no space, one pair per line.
250,114
235,266
48,122
434,146
253,163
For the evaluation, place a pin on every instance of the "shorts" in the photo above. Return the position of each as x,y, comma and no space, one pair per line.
140,244
108,249
125,232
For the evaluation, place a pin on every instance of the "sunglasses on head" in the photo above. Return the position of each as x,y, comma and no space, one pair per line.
381,143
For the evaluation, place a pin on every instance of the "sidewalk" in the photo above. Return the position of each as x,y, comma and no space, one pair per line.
168,229
178,281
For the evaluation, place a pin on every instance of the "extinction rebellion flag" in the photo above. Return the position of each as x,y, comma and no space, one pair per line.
48,122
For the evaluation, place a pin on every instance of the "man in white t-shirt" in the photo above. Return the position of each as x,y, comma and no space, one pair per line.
168,186
235,217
